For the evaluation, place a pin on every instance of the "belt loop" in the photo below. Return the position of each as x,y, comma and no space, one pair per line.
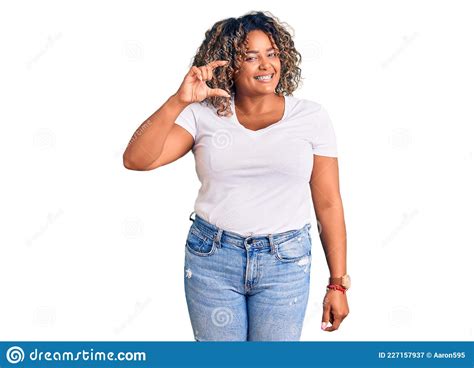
272,246
190,218
217,238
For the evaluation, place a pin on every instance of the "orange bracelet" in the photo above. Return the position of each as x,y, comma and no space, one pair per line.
336,287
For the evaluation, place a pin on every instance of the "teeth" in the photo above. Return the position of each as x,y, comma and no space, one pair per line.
265,77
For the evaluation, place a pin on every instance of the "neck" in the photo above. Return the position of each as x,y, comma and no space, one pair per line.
256,104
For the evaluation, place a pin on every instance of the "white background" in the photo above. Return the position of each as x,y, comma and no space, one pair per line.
92,251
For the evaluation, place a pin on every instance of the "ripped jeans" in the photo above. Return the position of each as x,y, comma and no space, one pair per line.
246,288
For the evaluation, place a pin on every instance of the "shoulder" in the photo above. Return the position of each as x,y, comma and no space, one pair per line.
192,113
308,110
194,107
312,114
200,109
304,105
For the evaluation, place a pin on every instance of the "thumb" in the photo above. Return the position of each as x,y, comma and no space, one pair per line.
216,92
325,319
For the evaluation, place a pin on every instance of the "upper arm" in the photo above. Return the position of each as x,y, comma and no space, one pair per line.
324,182
181,137
324,137
178,142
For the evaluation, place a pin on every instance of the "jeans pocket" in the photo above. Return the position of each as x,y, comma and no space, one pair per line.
295,248
199,244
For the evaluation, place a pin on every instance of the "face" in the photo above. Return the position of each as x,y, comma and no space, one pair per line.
261,60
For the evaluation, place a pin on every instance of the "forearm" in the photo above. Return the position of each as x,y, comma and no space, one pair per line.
333,237
147,142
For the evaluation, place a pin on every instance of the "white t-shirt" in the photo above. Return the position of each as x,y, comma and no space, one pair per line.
257,182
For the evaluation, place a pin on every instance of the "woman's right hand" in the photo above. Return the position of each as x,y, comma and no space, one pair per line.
194,87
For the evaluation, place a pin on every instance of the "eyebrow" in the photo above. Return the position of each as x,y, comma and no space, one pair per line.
256,51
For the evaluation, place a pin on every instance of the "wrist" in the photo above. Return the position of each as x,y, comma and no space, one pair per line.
175,101
336,288
343,281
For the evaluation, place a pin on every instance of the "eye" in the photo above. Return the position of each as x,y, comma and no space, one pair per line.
271,54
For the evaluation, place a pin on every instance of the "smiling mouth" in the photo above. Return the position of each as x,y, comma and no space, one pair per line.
265,77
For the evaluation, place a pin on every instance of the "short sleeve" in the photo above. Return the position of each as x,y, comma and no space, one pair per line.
188,118
324,143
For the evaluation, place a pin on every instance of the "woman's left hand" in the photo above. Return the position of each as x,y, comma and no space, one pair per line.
335,309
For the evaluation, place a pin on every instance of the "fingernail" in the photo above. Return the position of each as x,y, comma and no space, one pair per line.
323,325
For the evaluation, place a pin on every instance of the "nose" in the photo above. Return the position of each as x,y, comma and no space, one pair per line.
265,64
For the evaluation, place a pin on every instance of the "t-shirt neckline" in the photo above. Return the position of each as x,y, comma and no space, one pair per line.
263,130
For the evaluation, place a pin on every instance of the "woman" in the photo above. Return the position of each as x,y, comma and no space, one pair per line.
248,251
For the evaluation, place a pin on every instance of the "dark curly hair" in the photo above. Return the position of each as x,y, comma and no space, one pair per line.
227,40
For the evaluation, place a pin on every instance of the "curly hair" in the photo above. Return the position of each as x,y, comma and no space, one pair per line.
227,40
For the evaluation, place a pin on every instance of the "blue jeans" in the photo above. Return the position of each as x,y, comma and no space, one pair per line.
246,288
